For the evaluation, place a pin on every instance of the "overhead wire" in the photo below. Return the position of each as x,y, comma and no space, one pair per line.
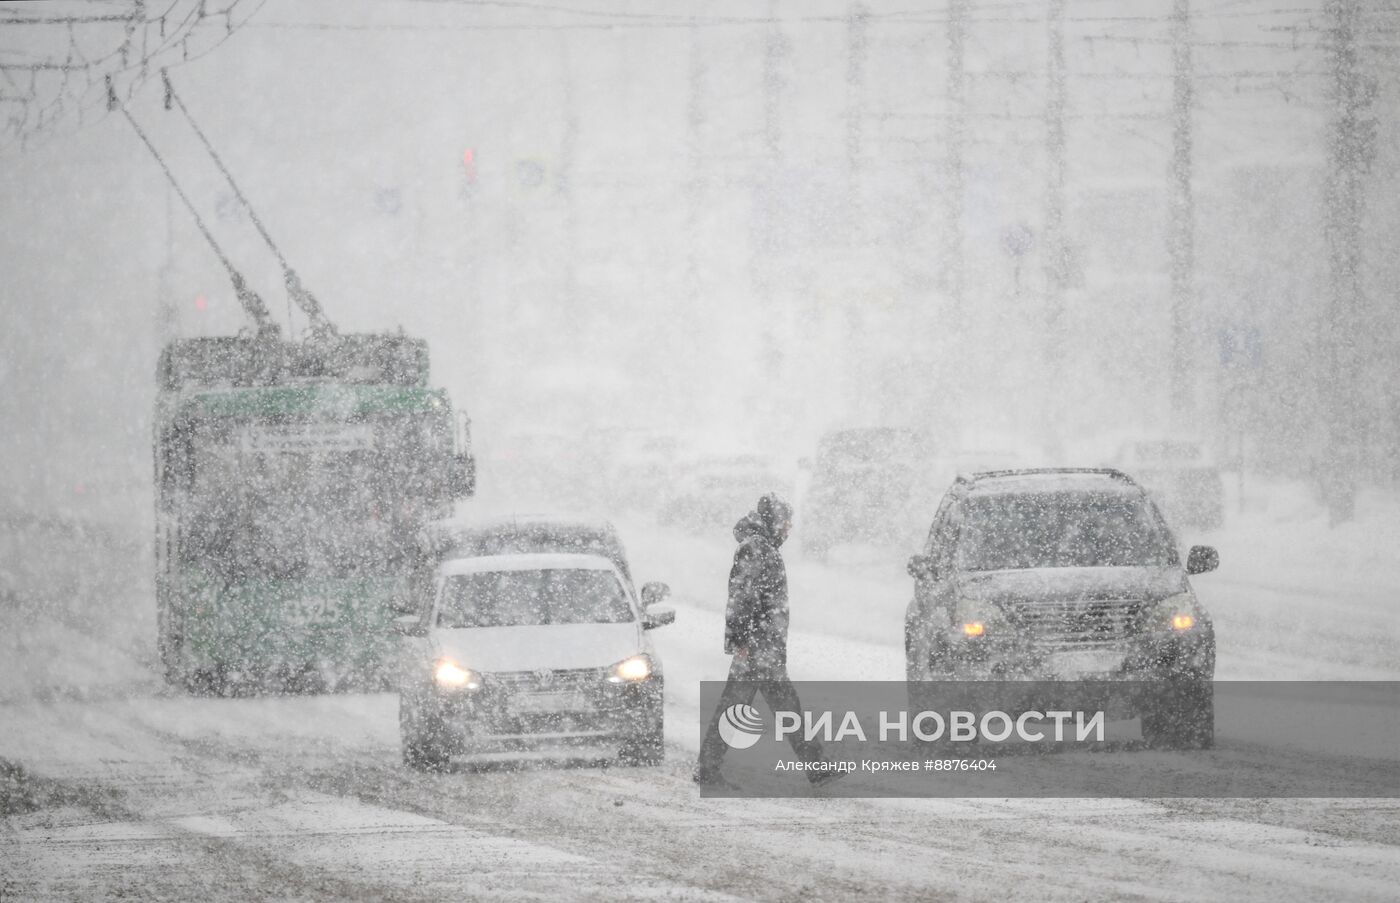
250,300
320,326
130,58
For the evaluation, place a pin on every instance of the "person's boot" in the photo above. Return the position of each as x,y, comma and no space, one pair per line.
711,778
819,779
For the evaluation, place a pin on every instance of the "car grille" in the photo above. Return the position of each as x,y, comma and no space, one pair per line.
1077,624
569,696
550,680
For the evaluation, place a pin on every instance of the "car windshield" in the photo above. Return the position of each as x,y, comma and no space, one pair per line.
533,597
1060,530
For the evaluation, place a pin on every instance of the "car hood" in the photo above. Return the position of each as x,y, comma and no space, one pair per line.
557,646
1066,584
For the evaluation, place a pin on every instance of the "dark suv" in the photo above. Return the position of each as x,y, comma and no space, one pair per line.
1063,574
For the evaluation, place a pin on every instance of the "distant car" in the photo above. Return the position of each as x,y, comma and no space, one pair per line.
976,459
1181,477
640,467
523,533
866,487
1062,574
547,651
714,492
546,466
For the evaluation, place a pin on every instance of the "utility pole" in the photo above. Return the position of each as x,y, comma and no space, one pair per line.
689,319
695,185
564,185
167,316
1056,247
776,50
957,124
1181,218
857,28
1351,147
952,334
856,369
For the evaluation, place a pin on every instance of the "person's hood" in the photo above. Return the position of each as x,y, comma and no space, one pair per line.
753,525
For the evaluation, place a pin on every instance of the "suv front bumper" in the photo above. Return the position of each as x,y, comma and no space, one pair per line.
1151,656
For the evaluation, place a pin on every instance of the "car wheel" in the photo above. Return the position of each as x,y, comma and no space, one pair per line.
1180,715
646,749
212,681
940,660
423,748
920,675
176,674
911,670
170,644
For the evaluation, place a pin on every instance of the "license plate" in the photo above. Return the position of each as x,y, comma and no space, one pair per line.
550,702
1078,664
310,610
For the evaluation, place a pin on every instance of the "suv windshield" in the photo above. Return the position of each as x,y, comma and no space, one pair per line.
1060,530
532,598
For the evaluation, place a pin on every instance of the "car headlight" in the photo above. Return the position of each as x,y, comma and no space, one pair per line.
451,676
1177,612
975,619
630,670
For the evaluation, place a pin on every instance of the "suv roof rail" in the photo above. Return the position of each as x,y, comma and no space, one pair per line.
1111,472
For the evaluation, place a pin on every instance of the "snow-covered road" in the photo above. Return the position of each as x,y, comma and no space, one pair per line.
113,786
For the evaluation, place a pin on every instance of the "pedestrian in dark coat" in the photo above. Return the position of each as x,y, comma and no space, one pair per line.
756,618
755,633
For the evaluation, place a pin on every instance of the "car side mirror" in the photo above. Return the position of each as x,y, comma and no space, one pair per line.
653,593
658,617
409,625
404,602
921,567
1202,559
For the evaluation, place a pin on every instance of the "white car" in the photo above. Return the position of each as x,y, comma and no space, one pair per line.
532,652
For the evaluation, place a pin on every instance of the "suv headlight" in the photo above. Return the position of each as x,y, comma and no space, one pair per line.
449,675
1177,612
631,670
975,619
